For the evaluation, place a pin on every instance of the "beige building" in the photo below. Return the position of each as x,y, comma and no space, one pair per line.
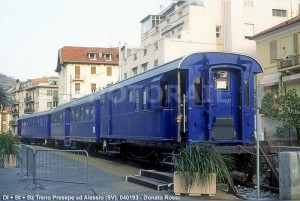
278,50
204,25
5,117
83,70
33,95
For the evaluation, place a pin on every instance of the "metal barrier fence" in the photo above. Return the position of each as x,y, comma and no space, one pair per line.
70,166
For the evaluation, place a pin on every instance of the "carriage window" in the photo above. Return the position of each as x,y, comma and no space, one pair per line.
61,117
92,112
81,114
115,98
73,116
221,80
144,93
87,113
246,93
137,100
76,115
102,102
130,96
198,90
164,94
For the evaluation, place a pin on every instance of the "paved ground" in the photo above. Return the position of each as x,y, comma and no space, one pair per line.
107,182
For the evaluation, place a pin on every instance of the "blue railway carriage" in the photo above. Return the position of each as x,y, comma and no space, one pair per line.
205,96
60,125
201,97
35,128
83,118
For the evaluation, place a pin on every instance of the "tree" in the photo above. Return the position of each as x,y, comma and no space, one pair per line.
3,98
285,108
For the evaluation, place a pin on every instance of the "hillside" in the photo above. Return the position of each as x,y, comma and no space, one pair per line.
8,83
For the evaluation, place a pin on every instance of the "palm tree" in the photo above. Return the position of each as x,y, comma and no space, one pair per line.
3,98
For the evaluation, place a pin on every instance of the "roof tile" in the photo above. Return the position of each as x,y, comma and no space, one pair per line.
69,54
278,26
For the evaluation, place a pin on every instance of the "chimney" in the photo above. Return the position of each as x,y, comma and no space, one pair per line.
161,7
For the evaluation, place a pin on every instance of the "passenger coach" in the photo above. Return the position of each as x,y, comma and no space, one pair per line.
201,97
35,127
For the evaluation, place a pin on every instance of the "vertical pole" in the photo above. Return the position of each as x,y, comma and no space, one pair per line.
179,116
183,101
27,161
34,167
257,130
87,169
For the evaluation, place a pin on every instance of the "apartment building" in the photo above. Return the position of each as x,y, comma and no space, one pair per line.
83,70
278,50
192,26
33,95
5,116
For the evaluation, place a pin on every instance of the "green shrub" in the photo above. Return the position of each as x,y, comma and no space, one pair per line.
201,158
7,144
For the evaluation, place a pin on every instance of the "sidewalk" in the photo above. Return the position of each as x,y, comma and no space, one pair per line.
106,182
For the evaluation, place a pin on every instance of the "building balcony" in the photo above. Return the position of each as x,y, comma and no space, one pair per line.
289,65
78,78
13,123
15,112
28,111
15,102
28,99
55,98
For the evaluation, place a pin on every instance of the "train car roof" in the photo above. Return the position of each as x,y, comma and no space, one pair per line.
209,59
197,58
85,99
96,95
35,114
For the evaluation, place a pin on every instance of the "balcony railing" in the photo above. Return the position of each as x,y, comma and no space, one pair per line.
288,61
15,112
13,123
15,102
28,111
78,78
28,99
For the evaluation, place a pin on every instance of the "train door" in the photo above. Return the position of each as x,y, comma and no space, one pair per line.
66,116
225,104
110,128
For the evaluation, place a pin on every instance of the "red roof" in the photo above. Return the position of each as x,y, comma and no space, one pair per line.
279,26
69,54
37,81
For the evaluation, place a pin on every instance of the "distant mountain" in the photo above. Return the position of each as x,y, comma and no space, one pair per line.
8,84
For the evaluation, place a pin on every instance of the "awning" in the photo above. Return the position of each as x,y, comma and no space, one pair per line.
291,77
270,79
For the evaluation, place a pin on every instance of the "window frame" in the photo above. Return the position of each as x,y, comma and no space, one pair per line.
164,94
198,91
144,98
137,100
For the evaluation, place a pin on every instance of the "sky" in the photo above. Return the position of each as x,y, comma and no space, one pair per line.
32,31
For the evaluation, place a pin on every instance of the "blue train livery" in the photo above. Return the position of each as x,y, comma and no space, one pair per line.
206,96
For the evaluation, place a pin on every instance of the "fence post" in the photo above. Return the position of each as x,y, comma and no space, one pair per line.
87,168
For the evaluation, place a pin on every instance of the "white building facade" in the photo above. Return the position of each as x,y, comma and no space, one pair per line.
208,25
83,70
